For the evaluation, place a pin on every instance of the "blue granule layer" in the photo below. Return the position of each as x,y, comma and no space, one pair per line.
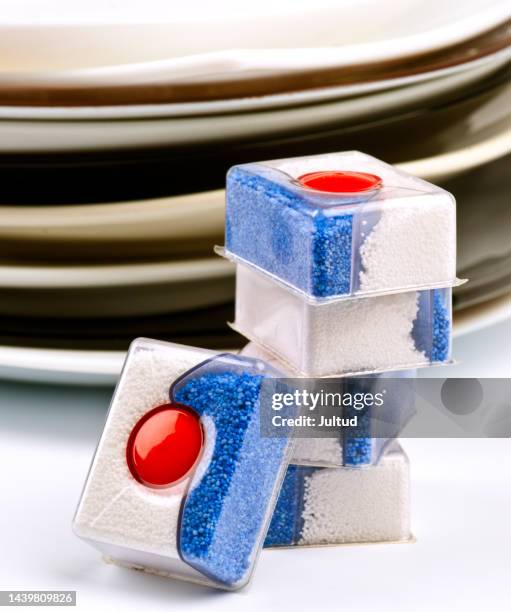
432,328
358,451
278,230
357,444
287,521
331,256
225,512
282,530
441,328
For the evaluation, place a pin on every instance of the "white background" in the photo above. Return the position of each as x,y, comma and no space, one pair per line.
461,518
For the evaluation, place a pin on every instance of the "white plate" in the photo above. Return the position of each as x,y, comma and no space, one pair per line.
102,367
203,37
138,289
174,219
483,315
25,135
177,216
116,275
169,228
60,366
497,144
193,218
476,136
488,139
472,71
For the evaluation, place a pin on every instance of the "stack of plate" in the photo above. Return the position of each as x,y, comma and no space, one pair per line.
116,131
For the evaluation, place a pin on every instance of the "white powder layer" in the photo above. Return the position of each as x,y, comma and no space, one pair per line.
343,505
361,335
114,507
317,451
412,244
342,337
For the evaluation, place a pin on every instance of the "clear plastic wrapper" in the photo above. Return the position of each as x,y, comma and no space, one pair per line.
383,425
321,506
341,224
359,335
182,483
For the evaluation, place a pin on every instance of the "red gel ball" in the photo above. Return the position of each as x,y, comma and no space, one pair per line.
340,182
164,445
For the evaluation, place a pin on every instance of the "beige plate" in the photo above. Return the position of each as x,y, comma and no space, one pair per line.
31,135
235,72
114,290
163,227
39,35
193,223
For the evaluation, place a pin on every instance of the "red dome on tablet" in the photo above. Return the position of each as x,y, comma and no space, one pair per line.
331,181
164,445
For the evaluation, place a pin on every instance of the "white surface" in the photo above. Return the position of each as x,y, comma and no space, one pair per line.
460,516
28,134
59,34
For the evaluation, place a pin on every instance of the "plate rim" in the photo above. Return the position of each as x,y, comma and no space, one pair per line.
100,136
246,104
468,26
112,275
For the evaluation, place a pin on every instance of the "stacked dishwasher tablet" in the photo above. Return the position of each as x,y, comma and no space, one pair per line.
359,450
345,265
182,483
325,501
320,505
